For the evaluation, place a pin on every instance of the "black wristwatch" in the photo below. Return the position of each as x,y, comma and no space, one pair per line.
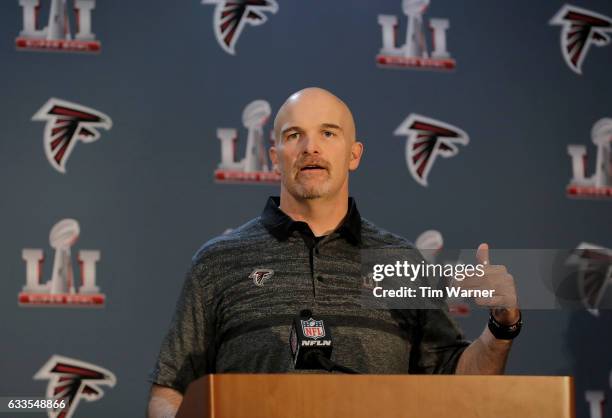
505,332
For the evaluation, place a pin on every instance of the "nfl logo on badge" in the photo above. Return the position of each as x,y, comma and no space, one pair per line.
313,328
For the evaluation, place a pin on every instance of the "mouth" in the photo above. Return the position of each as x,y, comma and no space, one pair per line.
312,168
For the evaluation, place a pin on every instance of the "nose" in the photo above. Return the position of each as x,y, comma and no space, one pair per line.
310,144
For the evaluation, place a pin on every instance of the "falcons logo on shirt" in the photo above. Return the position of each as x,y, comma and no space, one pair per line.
428,138
261,276
580,29
68,123
70,381
231,16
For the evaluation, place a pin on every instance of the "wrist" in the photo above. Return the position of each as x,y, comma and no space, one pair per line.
501,331
506,316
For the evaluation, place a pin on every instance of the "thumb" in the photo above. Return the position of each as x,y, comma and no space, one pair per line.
482,253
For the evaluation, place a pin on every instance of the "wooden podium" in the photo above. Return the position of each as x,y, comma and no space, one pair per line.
377,396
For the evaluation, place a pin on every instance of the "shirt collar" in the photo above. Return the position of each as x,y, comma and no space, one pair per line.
280,225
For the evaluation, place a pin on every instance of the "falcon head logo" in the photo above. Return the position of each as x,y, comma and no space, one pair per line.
70,381
260,276
428,138
581,28
231,16
68,123
594,265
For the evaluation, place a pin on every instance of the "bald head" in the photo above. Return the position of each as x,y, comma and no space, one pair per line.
315,100
314,147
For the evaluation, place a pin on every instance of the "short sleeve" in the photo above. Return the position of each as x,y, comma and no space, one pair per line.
184,355
438,345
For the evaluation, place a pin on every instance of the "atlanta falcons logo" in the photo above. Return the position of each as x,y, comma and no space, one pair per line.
68,123
260,276
231,16
594,269
70,381
580,29
428,138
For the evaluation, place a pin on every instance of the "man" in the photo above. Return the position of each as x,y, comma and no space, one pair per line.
235,311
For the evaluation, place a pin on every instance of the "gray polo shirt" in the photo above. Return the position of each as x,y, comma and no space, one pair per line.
239,298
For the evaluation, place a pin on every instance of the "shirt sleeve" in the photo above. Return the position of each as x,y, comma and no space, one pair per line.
184,355
438,345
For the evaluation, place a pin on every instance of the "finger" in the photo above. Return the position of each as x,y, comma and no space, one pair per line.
500,281
497,301
492,269
471,283
482,253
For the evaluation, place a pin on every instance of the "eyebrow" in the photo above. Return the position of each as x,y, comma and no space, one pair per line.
298,129
291,128
331,126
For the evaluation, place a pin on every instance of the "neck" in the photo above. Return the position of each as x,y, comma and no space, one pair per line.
322,215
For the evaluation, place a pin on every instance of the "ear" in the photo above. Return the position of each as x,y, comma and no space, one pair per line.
356,153
274,158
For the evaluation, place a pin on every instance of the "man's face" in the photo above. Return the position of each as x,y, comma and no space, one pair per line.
315,145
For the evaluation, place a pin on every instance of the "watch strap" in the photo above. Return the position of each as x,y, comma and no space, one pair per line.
505,332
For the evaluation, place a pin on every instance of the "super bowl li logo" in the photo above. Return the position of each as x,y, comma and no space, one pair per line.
599,185
414,53
253,168
56,35
61,289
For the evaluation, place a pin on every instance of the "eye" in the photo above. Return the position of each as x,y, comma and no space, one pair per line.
328,134
293,135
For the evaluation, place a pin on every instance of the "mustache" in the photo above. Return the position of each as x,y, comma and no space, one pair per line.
310,161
